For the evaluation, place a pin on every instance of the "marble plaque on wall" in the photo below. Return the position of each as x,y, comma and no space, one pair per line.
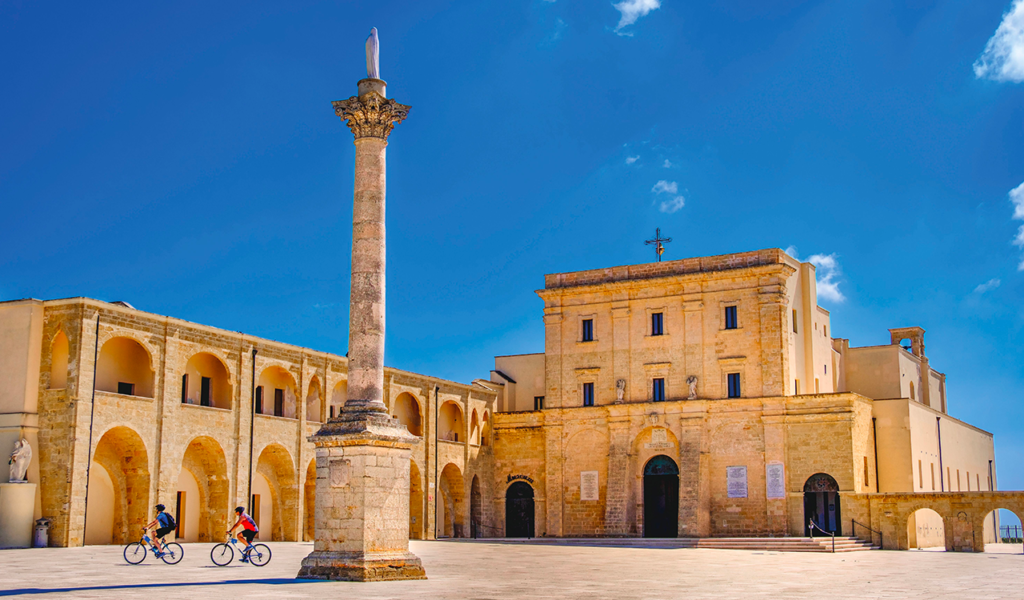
588,485
736,481
775,480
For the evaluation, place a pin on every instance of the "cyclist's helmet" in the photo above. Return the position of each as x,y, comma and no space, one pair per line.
239,510
160,507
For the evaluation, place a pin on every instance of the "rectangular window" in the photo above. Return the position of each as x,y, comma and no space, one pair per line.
259,400
920,475
658,391
588,394
332,412
538,403
817,386
734,385
826,330
125,389
184,388
957,481
204,393
657,324
588,330
278,402
933,476
796,387
795,328
969,481
865,472
730,317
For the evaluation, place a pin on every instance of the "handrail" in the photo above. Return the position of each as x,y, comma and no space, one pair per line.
881,537
814,526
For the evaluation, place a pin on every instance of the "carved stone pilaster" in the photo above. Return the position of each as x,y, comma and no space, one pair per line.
370,114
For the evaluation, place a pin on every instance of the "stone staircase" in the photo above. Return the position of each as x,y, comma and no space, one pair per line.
784,544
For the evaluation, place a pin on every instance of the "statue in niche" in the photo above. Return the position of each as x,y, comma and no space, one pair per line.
692,382
373,55
19,461
620,390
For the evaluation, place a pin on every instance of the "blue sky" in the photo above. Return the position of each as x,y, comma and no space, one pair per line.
188,161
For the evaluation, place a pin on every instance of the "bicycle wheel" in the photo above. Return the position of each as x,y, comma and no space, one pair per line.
222,554
173,553
134,553
259,555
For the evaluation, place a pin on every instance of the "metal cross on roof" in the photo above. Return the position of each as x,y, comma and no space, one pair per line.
657,241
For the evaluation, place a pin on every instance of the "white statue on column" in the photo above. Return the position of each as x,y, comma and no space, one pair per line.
373,55
620,390
19,461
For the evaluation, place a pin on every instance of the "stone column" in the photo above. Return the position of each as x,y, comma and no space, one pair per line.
363,455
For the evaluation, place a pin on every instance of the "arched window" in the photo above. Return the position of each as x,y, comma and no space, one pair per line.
407,411
450,425
206,382
59,362
124,368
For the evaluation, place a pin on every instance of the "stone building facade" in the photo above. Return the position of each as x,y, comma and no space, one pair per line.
171,419
705,397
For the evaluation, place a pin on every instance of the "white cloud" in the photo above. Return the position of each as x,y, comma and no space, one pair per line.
991,284
672,205
826,273
634,9
665,187
632,159
667,164
1017,198
1003,58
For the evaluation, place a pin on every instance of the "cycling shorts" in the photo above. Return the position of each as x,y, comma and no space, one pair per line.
248,534
162,531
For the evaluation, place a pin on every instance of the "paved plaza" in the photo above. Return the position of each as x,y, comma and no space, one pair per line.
501,570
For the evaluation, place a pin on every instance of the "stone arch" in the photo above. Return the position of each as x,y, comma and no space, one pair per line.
125,367
313,400
276,391
406,408
992,530
59,352
822,505
206,381
653,440
309,494
338,397
520,510
450,423
205,519
416,523
474,428
276,465
452,506
122,454
925,529
485,431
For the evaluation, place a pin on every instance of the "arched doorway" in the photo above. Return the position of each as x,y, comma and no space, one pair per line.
415,502
119,502
519,510
309,494
925,529
475,502
821,504
452,502
661,498
282,482
202,492
1002,531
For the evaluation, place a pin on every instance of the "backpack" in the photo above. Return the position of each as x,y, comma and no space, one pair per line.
170,521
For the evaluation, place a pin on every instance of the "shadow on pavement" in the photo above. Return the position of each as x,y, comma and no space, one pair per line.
144,586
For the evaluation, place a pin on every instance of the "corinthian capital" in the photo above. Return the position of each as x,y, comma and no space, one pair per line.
371,115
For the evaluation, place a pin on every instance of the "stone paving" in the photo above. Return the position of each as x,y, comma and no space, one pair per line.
493,570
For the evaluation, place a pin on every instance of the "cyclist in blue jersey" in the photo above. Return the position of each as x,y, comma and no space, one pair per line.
248,532
164,524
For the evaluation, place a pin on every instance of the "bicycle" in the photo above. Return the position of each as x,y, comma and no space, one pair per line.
257,554
135,552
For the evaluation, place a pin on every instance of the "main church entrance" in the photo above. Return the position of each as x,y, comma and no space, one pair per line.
661,498
821,504
519,510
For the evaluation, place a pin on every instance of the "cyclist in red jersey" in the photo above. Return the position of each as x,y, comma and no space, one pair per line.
248,532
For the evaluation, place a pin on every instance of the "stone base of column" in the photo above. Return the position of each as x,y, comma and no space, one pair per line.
362,498
349,566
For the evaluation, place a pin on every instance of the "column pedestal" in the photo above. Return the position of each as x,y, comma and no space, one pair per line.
362,499
17,508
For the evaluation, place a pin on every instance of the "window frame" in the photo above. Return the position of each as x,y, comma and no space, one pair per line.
731,317
734,385
588,393
587,329
657,323
658,389
538,403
